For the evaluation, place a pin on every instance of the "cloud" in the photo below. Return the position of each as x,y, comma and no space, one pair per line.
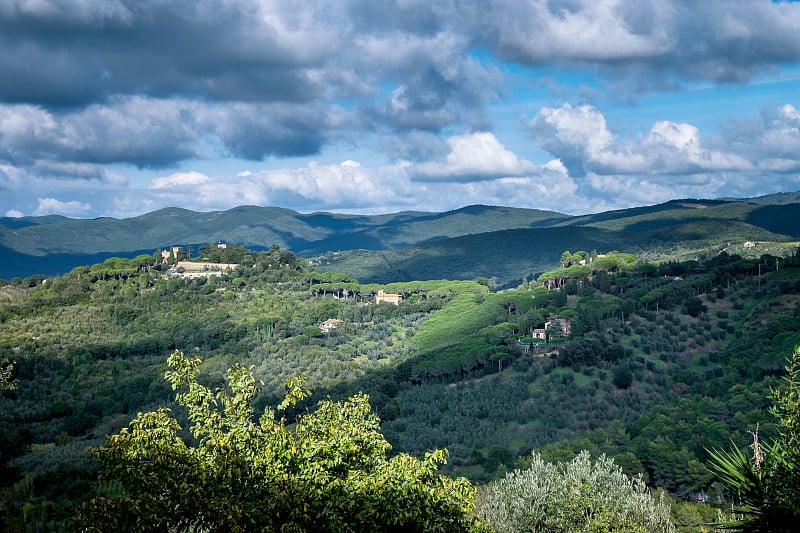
346,185
415,146
671,159
675,148
771,139
573,134
578,30
150,132
94,94
179,179
351,187
436,83
617,191
474,157
580,137
646,42
163,49
134,130
51,206
14,213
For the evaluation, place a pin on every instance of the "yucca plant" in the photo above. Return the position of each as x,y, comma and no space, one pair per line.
766,487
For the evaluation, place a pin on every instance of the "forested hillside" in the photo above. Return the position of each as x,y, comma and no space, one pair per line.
54,244
500,243
651,364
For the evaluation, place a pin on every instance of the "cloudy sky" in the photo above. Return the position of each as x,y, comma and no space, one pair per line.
120,107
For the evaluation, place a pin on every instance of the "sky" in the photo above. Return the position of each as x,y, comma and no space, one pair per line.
121,107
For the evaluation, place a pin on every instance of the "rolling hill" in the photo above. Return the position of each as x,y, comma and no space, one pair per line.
496,242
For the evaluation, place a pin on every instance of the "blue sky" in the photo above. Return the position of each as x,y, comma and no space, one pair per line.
121,107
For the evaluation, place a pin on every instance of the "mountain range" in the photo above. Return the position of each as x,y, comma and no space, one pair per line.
503,243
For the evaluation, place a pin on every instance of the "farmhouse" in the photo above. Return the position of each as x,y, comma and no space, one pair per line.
561,324
389,298
329,325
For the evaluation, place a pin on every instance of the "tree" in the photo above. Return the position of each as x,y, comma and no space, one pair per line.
7,375
623,377
695,306
329,472
582,495
766,487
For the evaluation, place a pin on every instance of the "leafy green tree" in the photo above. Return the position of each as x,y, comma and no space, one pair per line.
6,375
766,487
582,495
327,472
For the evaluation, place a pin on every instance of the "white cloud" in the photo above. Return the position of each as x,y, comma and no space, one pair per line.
179,179
52,206
474,157
771,139
14,213
547,188
627,191
580,137
582,30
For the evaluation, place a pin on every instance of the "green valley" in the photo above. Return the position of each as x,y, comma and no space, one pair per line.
649,356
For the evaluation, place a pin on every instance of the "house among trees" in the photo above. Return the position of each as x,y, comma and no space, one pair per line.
170,254
389,298
329,325
558,326
540,333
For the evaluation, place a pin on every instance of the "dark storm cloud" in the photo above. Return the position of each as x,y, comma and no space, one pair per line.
254,131
151,132
80,64
136,130
74,52
57,53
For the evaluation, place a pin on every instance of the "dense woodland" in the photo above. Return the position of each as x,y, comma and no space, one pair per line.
660,363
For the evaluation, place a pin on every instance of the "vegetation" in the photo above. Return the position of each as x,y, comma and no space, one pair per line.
650,365
582,495
6,375
328,472
766,487
499,243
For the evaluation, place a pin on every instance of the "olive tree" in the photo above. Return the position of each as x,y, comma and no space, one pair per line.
329,471
582,495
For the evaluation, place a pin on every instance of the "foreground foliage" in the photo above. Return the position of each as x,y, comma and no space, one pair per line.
582,495
329,472
766,488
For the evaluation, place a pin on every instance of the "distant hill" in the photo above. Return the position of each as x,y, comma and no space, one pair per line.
501,242
780,198
509,255
55,244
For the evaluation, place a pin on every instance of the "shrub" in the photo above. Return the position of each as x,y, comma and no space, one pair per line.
766,487
582,495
